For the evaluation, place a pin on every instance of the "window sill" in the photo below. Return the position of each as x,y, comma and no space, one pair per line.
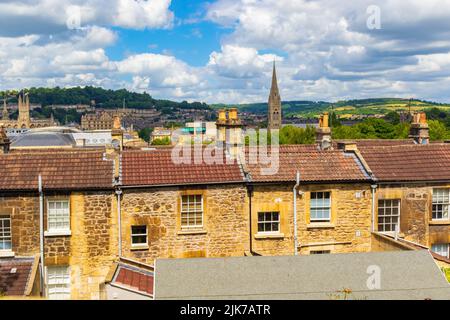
7,254
65,233
139,247
195,231
439,222
320,225
269,236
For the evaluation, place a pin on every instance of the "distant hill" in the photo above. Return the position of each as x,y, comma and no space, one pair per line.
104,98
344,108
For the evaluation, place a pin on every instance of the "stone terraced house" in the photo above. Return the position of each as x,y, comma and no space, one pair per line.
79,217
104,215
412,193
333,203
181,210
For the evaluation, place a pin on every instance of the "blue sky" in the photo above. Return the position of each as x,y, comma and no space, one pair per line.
223,50
191,39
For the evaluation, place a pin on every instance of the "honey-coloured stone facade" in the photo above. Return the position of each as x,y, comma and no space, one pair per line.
416,223
348,231
225,223
89,249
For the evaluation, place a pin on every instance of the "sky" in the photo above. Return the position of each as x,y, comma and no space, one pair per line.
222,51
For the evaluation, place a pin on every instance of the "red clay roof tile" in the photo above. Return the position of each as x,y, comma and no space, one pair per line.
314,165
156,167
135,279
60,169
409,162
15,284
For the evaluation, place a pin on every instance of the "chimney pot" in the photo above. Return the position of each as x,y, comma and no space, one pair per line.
232,115
325,120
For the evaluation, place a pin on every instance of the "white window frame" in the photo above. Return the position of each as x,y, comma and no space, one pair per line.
139,235
60,282
444,248
391,216
183,211
51,230
311,208
446,205
5,238
269,221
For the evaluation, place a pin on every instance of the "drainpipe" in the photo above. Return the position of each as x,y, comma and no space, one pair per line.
119,220
294,190
250,194
374,191
41,234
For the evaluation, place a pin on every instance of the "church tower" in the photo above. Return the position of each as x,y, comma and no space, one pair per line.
23,121
274,110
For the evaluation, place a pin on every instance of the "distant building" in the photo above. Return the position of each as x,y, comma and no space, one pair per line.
24,121
199,131
274,105
160,133
97,121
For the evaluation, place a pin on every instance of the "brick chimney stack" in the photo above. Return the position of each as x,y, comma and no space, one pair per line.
419,130
323,133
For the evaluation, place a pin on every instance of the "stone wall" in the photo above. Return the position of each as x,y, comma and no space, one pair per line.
89,250
225,223
24,212
348,230
416,213
94,245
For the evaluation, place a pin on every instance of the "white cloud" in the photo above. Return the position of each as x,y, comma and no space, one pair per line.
54,16
141,14
323,49
240,62
166,70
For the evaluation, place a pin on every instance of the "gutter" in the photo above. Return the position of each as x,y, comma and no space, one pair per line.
180,184
250,194
294,190
41,236
119,220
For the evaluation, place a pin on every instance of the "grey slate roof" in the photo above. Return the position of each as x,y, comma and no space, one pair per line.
44,139
404,275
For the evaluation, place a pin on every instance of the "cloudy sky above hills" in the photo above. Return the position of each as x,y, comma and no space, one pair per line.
223,50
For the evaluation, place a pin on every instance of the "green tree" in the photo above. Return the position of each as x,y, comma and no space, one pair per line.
438,131
145,133
161,142
392,117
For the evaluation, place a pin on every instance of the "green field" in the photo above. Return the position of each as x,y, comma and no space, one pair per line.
345,108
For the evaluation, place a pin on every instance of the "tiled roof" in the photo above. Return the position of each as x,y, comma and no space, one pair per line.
314,165
157,167
376,142
409,162
134,278
14,275
60,170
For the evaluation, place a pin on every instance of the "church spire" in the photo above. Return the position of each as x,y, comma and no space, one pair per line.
274,87
274,110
